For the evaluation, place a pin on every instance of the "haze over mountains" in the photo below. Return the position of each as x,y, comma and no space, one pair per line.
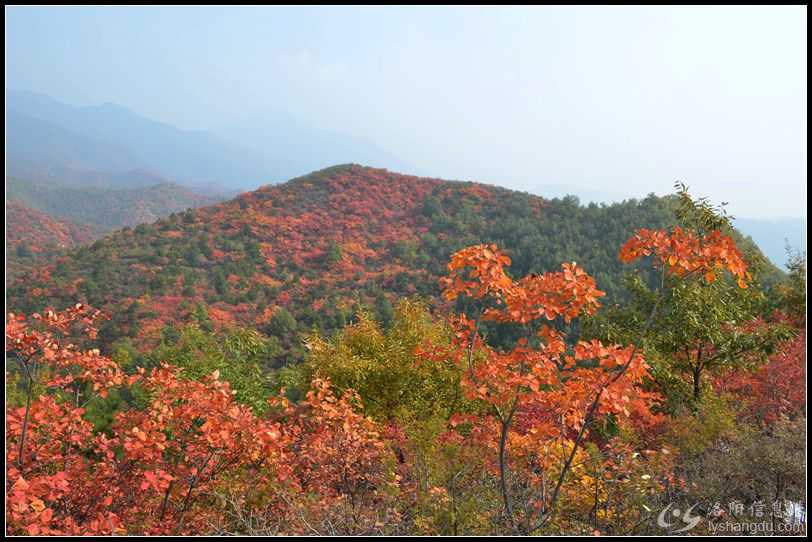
110,144
54,149
774,235
405,271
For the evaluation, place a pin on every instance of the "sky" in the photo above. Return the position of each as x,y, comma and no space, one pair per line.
603,102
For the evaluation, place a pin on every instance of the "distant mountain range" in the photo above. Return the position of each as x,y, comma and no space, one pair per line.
773,235
110,145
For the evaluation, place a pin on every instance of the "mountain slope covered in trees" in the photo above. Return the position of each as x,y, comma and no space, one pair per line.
304,255
32,235
104,208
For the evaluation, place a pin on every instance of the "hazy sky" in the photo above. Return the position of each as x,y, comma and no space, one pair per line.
599,100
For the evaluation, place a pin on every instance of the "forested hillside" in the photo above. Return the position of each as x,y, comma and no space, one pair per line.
104,208
305,255
32,237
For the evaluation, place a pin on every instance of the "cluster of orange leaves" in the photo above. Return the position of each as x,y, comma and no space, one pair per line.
548,377
341,457
684,252
542,393
553,390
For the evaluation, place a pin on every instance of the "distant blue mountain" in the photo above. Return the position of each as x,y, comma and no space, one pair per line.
772,235
35,142
296,146
48,139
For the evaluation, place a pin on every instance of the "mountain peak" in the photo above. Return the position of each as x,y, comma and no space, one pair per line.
338,169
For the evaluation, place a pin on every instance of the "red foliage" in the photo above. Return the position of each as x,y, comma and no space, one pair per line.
341,457
42,234
549,378
162,468
364,212
151,474
774,388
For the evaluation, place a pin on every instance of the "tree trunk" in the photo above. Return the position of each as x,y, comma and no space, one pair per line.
502,471
697,373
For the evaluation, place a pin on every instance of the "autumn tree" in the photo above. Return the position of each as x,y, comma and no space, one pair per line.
383,367
191,438
770,390
791,293
340,477
541,395
569,385
242,357
709,319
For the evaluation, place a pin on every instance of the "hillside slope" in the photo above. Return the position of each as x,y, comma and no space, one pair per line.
32,235
302,255
105,208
